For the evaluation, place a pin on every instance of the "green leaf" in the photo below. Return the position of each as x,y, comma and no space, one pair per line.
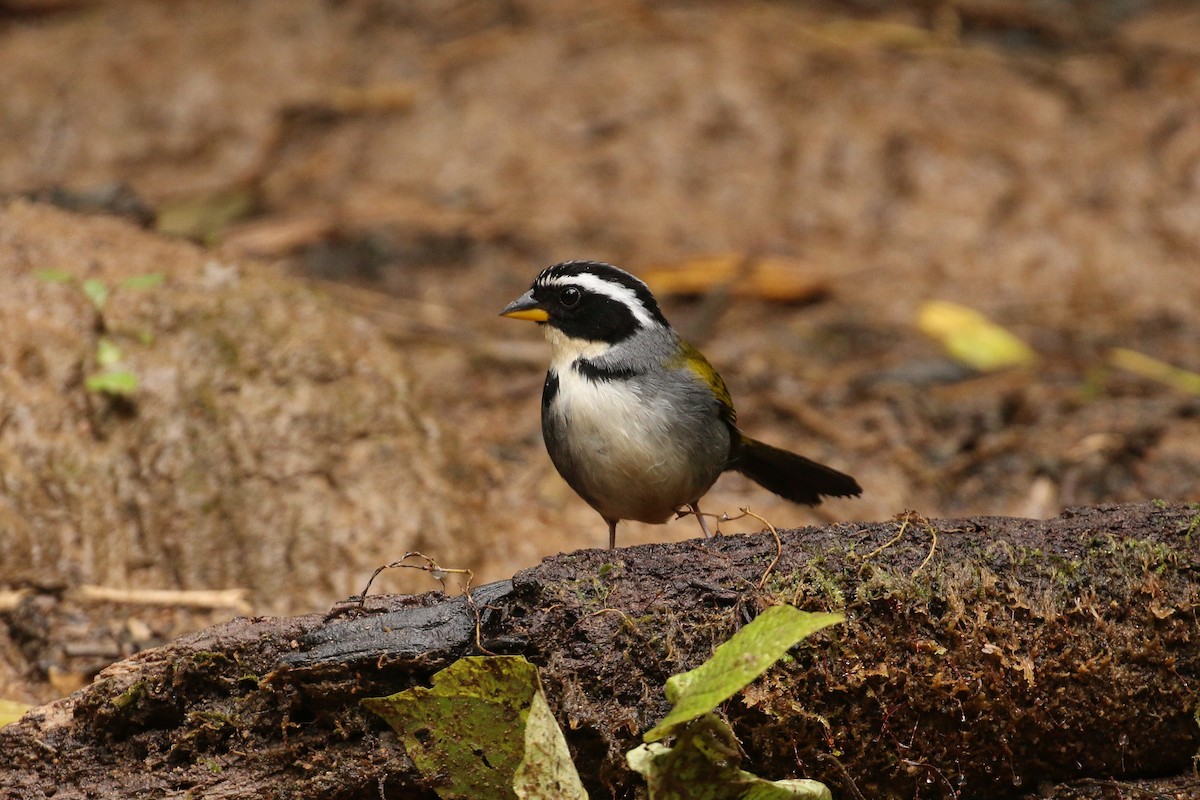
484,729
703,765
794,788
96,291
107,352
54,276
736,663
121,383
204,217
1147,367
11,711
148,281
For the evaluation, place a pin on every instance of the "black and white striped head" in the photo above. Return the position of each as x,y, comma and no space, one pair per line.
589,300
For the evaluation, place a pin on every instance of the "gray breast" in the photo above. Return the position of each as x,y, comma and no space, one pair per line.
634,444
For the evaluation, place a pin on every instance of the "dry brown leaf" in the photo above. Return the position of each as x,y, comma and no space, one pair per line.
776,279
378,98
278,235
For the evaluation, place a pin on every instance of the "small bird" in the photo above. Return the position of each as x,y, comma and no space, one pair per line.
635,419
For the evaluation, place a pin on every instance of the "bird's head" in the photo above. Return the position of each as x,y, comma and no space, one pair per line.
589,301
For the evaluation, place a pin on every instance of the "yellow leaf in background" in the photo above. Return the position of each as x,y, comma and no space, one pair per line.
972,338
11,711
782,280
1155,370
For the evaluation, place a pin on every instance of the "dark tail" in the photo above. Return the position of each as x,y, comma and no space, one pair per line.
790,476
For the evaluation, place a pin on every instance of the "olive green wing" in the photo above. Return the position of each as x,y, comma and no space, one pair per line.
692,359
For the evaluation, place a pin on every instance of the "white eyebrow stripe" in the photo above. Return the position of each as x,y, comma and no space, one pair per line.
622,294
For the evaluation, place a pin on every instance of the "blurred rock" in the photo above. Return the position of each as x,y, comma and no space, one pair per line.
273,441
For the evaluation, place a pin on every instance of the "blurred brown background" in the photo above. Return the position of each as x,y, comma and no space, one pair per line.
325,384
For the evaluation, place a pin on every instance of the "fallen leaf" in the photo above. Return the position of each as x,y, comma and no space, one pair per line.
11,711
780,280
971,338
1155,370
703,765
484,729
119,383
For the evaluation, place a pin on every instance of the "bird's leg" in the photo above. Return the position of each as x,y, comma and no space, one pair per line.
612,533
695,507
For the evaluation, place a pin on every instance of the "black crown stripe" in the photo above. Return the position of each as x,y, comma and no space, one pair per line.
606,272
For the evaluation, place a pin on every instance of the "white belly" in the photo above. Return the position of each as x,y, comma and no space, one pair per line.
626,452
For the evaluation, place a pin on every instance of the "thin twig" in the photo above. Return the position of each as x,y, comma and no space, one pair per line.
439,573
184,598
778,545
685,511
932,547
931,768
617,611
746,512
478,617
849,781
904,518
435,569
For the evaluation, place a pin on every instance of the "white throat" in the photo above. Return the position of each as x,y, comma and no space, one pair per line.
566,350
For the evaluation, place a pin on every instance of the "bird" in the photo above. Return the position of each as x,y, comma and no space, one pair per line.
636,420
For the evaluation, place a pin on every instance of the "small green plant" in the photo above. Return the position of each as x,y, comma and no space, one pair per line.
110,378
485,729
702,761
1187,537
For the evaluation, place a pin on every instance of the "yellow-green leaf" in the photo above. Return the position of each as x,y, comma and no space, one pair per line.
737,662
148,281
107,352
484,729
1155,370
204,217
971,338
703,765
96,291
11,711
54,276
121,383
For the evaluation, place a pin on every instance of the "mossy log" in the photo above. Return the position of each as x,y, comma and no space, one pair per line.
989,657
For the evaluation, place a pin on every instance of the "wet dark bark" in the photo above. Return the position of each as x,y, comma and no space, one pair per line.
1005,656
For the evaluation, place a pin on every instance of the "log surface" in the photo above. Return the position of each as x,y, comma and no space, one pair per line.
1005,656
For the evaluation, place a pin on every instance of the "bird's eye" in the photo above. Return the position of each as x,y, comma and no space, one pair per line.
569,297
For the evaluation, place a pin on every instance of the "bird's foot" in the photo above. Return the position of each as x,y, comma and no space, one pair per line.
694,508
